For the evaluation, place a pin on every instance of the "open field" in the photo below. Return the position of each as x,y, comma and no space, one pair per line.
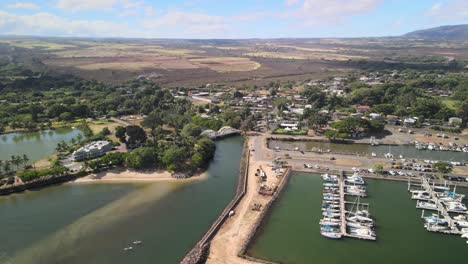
197,62
32,44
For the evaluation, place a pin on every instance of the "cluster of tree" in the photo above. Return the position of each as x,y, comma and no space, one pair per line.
408,93
354,125
14,164
30,175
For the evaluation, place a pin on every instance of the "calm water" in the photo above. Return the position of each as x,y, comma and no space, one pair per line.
92,223
36,145
364,149
291,234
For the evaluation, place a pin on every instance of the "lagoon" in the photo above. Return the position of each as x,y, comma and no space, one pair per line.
36,145
93,222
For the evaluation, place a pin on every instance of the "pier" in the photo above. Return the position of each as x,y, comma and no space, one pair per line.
441,209
343,231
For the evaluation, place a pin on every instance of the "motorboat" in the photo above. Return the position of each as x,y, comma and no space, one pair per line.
137,242
128,248
435,228
456,207
330,185
421,196
426,205
461,217
434,219
332,235
331,214
354,180
462,224
330,210
327,228
329,178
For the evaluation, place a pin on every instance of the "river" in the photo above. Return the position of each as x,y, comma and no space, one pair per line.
365,149
36,145
92,223
292,235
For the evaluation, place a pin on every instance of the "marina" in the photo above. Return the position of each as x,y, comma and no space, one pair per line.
446,202
359,149
337,221
401,237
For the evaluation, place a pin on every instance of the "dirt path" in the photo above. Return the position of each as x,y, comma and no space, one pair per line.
228,241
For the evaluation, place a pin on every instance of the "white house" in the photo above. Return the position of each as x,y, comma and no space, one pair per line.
409,122
455,121
92,150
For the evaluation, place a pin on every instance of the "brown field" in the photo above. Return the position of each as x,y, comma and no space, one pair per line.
226,64
186,62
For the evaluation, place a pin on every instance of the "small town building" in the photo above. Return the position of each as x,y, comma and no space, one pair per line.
362,108
392,119
455,121
409,122
375,116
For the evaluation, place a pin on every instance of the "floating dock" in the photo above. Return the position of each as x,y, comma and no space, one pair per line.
441,209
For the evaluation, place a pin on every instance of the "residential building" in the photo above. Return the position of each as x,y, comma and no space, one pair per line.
92,150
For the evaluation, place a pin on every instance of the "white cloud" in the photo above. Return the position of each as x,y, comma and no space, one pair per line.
291,2
450,11
46,24
188,24
315,12
86,5
20,5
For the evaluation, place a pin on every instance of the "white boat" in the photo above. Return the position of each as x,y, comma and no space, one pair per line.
362,232
330,210
331,214
456,207
329,178
461,217
359,219
137,242
128,248
426,205
358,225
332,235
421,196
435,228
330,185
434,219
373,154
462,224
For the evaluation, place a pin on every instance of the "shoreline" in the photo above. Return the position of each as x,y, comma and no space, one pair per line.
120,175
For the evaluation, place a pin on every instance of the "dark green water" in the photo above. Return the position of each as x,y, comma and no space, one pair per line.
365,149
291,234
92,223
36,145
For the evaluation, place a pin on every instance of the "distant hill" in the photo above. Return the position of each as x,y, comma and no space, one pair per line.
456,32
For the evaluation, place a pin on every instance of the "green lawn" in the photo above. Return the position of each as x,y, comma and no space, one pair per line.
290,132
450,103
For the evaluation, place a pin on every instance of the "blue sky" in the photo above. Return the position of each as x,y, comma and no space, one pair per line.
226,19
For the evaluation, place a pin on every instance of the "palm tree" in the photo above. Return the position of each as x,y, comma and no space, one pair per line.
25,159
7,167
79,137
15,161
73,141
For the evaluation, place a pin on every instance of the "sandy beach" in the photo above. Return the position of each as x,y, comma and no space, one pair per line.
126,175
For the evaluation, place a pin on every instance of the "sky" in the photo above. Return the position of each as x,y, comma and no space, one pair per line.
202,19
